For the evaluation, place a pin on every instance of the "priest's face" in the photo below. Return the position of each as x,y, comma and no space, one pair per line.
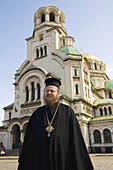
51,95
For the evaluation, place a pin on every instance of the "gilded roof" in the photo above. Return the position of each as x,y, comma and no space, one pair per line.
109,84
70,50
90,56
103,101
102,118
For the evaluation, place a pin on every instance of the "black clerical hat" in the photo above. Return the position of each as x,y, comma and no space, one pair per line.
53,81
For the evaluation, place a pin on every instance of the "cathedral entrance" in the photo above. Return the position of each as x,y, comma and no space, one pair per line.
16,136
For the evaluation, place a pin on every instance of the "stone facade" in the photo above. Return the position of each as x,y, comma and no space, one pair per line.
51,50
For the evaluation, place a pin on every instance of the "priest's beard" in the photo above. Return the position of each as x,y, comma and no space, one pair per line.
51,103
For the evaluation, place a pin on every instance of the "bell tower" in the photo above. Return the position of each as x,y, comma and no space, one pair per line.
48,29
49,16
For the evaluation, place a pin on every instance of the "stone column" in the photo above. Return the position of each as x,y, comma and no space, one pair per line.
112,136
35,86
102,138
24,95
30,93
47,16
57,18
37,20
11,140
22,135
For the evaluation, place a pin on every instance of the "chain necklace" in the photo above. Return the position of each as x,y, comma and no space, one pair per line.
50,128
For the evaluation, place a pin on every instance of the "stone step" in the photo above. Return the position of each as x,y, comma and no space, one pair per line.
12,152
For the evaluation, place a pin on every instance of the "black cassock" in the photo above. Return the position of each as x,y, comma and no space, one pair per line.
63,150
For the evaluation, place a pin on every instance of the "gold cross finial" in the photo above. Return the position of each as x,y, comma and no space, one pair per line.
81,50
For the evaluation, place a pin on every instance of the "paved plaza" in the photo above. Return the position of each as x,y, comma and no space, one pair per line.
100,162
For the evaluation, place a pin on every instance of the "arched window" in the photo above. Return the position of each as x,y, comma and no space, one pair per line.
76,88
97,136
95,66
110,111
105,110
38,90
89,65
110,96
101,112
27,94
32,91
75,72
107,136
45,49
43,18
9,115
41,51
52,17
63,41
37,52
86,91
16,136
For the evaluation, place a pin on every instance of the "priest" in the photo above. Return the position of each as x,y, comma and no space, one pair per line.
53,139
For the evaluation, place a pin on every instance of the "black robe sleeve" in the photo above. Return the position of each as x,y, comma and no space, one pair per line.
80,156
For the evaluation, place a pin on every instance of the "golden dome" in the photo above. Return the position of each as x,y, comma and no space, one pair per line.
90,56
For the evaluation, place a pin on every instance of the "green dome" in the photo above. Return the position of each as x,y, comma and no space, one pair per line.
103,101
70,50
109,84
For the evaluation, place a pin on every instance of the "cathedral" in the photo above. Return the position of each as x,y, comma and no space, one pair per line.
85,85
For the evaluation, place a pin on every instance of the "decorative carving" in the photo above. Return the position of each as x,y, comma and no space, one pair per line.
84,108
88,110
27,111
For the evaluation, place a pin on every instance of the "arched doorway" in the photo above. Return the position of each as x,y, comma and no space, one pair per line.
16,136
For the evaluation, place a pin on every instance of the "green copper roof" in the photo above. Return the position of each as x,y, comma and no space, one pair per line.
9,106
102,118
70,50
63,95
109,84
103,101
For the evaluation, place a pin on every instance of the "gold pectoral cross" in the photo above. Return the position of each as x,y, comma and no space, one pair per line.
49,129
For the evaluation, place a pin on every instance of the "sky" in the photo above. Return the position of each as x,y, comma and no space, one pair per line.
90,22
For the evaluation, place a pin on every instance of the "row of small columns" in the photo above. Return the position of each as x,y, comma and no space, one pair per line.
10,137
39,52
30,93
102,144
38,19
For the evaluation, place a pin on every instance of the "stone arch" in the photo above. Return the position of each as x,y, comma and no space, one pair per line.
97,136
110,110
53,9
61,17
15,131
101,111
52,17
42,17
107,135
34,74
24,126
